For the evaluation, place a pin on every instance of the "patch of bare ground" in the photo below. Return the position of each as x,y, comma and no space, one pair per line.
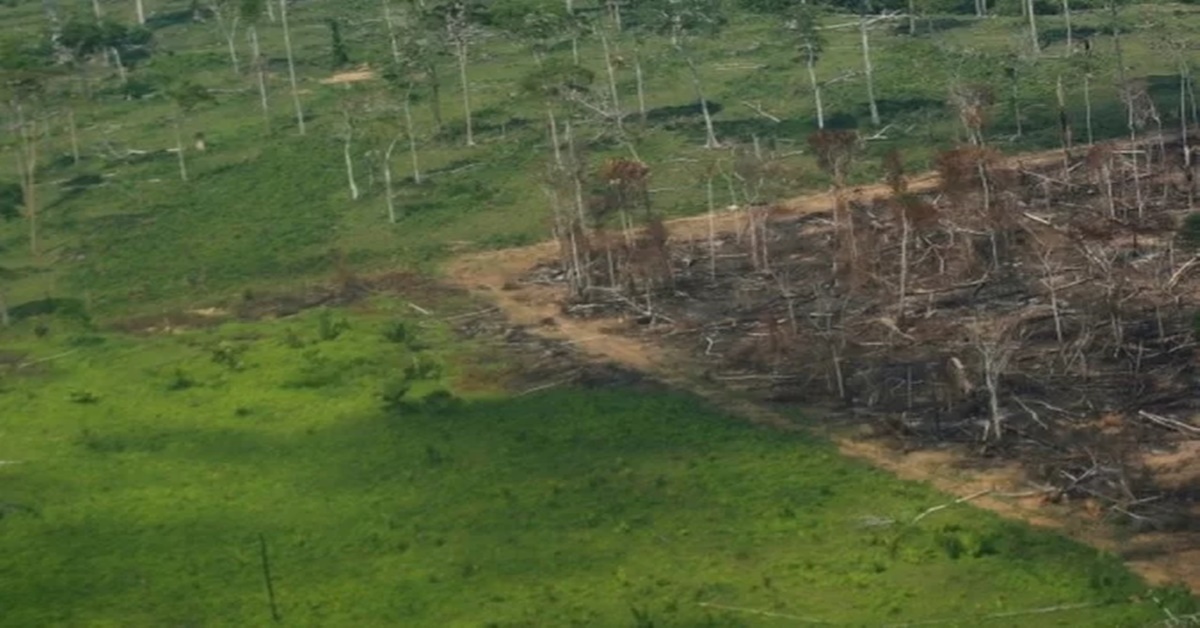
344,289
1018,331
357,75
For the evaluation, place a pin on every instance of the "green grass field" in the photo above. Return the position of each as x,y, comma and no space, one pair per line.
139,474
268,207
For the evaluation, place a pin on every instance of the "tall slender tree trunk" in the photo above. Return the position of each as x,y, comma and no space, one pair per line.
904,238
348,140
712,229
120,66
1016,96
183,172
1117,48
1064,122
1087,105
261,72
27,157
816,87
868,72
391,29
1033,34
912,17
461,51
1066,9
612,77
554,143
270,11
230,35
387,182
412,137
710,132
96,10
614,13
50,10
141,12
1184,75
583,270
435,96
287,44
641,86
72,129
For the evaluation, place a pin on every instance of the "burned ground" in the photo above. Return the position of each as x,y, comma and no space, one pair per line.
1042,313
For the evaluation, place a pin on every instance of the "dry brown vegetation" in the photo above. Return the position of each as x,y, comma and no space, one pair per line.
1041,313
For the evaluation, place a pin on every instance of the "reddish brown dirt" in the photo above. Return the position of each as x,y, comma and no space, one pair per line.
1159,557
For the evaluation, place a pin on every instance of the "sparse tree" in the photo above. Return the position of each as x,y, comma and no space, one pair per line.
23,91
228,14
971,103
346,134
251,11
682,20
868,70
187,96
992,342
406,79
811,42
556,83
835,151
1066,11
287,43
459,19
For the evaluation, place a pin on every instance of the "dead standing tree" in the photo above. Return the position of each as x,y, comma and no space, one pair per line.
761,176
967,181
993,342
835,151
971,103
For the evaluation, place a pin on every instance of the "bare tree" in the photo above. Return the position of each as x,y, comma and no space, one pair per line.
347,137
287,43
682,20
187,96
228,14
805,28
457,19
835,150
28,132
1066,9
868,70
252,11
991,341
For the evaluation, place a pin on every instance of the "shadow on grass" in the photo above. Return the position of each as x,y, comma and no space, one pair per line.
165,19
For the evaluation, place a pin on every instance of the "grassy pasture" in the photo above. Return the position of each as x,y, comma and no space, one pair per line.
264,207
140,473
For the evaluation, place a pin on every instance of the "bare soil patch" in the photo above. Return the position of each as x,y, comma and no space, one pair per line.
357,75
345,289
